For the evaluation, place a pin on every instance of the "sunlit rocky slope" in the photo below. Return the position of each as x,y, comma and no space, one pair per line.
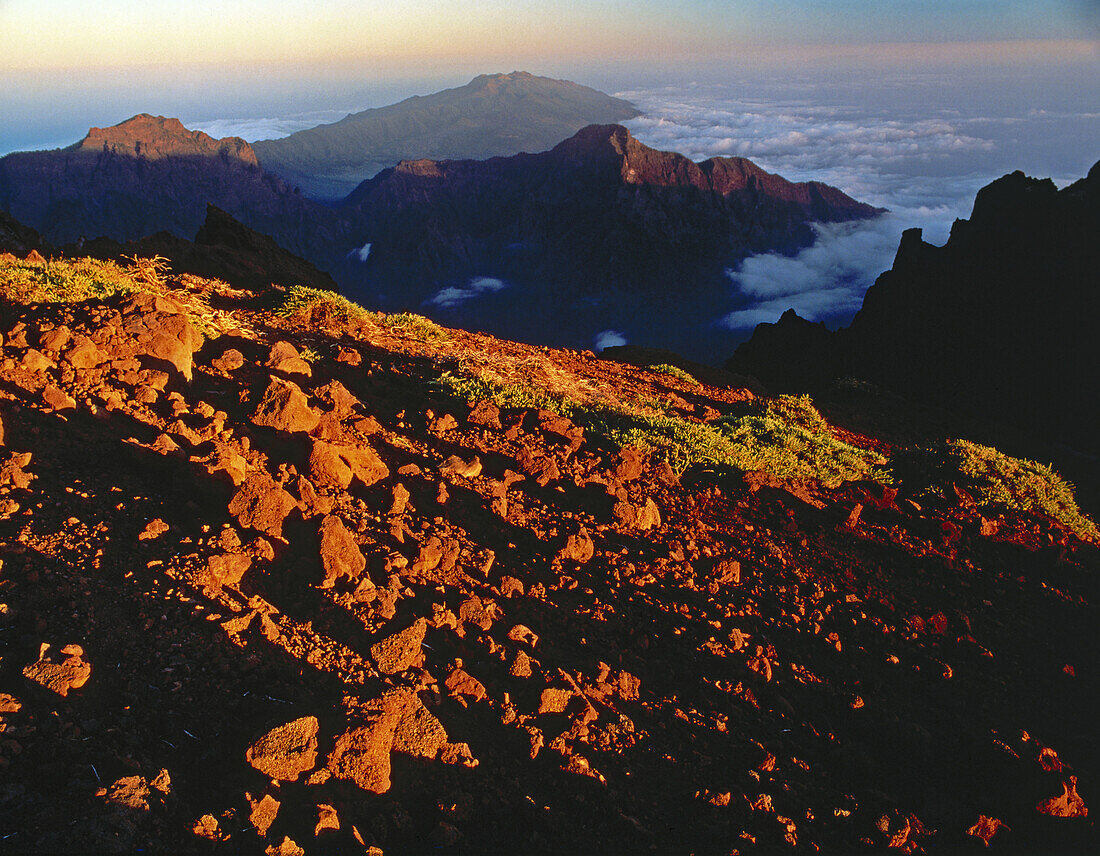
282,575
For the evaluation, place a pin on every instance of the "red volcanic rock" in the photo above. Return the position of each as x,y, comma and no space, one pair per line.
230,360
227,568
284,753
57,399
578,548
262,812
327,468
366,466
1067,804
362,754
285,407
60,674
340,554
986,828
350,356
402,650
162,330
462,683
261,504
284,357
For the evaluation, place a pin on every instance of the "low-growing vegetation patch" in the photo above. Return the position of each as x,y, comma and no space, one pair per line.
484,387
789,440
996,482
785,437
674,371
72,280
417,326
318,305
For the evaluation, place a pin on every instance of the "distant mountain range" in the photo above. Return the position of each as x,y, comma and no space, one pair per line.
1000,321
151,174
599,233
494,114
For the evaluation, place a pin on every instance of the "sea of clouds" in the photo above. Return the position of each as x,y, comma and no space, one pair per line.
267,128
924,169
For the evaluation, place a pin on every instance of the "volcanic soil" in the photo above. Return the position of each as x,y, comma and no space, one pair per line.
268,588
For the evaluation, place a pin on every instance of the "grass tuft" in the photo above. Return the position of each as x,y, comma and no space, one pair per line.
674,371
319,306
484,387
416,326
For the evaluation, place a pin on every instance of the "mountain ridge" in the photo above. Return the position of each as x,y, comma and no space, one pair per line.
493,114
156,137
599,232
998,320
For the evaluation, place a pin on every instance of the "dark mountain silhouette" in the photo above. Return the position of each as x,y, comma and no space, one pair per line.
19,239
224,249
151,174
494,114
999,321
599,232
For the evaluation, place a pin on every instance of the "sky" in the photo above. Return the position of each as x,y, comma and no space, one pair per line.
75,34
69,64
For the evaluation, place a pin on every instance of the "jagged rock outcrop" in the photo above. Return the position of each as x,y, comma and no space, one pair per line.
494,114
18,239
999,321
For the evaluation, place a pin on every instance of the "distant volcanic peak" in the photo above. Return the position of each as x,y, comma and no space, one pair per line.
597,142
421,168
156,137
484,80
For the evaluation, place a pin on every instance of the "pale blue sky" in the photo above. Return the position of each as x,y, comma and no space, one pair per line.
49,34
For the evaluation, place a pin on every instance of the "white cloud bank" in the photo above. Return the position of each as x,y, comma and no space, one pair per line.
453,296
608,339
254,129
916,166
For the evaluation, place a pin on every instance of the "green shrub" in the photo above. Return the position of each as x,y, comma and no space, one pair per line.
996,481
417,326
67,281
318,304
483,387
674,371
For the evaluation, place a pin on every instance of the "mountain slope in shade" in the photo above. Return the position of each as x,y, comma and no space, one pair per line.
1000,321
494,114
601,232
151,174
